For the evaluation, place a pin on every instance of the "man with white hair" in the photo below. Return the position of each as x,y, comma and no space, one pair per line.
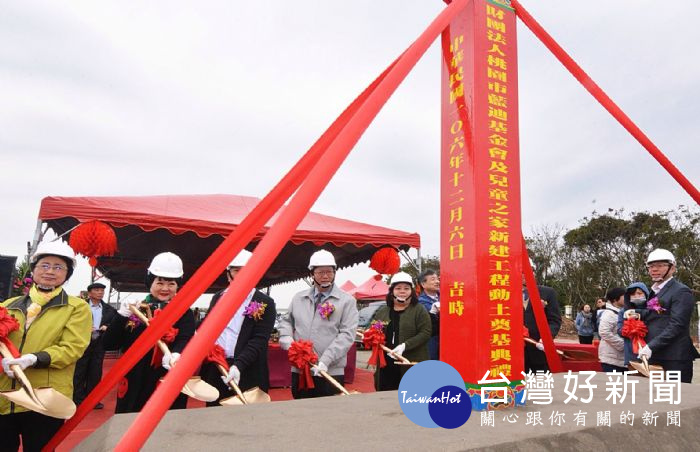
670,307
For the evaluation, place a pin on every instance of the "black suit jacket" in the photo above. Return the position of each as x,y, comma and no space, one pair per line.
551,310
669,331
108,313
250,354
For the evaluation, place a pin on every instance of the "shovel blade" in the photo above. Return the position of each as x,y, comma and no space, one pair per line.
231,401
51,402
200,390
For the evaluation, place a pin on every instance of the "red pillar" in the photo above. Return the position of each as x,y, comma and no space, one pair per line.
481,276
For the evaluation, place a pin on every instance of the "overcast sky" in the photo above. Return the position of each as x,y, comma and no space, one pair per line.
140,98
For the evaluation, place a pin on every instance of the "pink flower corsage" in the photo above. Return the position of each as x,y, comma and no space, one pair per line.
325,309
655,305
255,310
378,325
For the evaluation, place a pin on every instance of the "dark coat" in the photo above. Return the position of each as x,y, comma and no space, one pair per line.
108,314
669,331
135,389
551,310
250,354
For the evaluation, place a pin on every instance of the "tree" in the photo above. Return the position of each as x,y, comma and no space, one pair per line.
429,262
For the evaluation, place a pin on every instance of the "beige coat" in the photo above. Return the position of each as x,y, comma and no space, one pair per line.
612,346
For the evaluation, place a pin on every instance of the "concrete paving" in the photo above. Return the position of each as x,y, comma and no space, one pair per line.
375,421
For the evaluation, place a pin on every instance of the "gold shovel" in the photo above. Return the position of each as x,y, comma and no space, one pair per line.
46,401
400,359
644,367
569,355
195,386
334,382
252,395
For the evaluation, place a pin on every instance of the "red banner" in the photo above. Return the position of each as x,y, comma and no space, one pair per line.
481,277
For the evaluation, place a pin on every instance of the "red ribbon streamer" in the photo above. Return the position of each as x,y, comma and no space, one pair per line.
217,355
373,339
168,338
301,355
8,324
636,330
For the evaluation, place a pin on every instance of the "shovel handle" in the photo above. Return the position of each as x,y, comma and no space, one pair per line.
232,384
161,345
332,380
19,374
534,342
388,350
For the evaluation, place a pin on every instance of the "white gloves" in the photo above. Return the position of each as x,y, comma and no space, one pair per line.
169,360
435,308
399,349
286,342
125,307
644,351
540,346
319,368
631,313
233,374
23,361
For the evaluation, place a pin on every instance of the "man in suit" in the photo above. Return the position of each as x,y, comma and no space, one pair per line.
88,369
244,340
535,358
670,307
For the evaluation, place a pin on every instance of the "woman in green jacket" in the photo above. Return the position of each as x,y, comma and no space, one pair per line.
407,330
54,331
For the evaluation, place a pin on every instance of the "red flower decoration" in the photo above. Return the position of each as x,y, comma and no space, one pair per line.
385,261
8,323
636,330
374,338
122,387
93,239
217,355
301,355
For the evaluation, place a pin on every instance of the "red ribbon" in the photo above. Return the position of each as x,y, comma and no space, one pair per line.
217,355
301,355
374,339
8,324
636,330
168,338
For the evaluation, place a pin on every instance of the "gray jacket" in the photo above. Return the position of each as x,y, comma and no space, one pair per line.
612,346
333,337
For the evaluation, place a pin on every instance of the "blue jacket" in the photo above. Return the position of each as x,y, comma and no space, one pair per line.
426,301
584,325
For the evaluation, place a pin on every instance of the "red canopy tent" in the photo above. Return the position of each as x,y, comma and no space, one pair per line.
348,285
372,289
192,226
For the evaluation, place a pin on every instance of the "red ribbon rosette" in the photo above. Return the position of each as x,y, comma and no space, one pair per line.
636,330
374,338
301,355
168,338
217,355
8,324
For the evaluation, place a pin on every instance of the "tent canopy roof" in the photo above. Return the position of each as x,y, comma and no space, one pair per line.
192,226
372,289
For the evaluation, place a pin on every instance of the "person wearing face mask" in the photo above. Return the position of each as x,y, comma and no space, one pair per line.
634,305
407,329
163,278
325,315
670,307
54,331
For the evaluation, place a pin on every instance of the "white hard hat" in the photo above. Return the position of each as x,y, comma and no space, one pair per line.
660,254
401,277
55,248
241,259
166,265
321,258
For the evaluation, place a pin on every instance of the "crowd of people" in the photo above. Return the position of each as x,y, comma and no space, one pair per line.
62,339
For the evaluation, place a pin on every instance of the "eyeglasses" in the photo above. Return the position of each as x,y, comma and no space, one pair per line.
323,272
658,265
56,268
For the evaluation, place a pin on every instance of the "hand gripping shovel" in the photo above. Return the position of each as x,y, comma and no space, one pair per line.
334,382
46,401
400,359
644,367
195,386
252,395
